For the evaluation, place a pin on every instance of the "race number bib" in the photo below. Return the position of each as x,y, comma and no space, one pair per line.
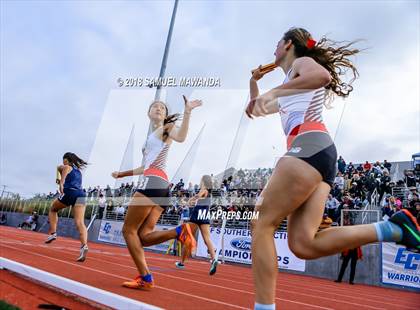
143,183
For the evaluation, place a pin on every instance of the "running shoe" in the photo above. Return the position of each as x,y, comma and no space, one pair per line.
139,283
187,239
179,265
213,267
83,252
51,238
411,230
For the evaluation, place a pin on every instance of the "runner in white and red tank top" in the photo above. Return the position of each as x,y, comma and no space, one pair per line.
302,178
152,195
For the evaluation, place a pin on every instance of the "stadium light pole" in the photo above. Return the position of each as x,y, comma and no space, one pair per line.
165,54
163,65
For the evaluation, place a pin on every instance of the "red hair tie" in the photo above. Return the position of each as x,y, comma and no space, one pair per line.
310,43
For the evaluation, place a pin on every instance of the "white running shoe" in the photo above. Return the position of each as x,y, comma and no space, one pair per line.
83,252
51,238
179,265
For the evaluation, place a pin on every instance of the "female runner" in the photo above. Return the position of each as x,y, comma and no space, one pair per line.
303,177
152,196
202,203
72,194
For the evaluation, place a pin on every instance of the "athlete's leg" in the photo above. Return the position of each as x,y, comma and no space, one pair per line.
291,184
146,231
205,232
136,214
306,242
150,237
79,220
53,216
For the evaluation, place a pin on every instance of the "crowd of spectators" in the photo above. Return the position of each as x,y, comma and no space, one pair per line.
355,184
353,188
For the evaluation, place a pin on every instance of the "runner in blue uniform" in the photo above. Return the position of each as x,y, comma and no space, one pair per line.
71,194
202,205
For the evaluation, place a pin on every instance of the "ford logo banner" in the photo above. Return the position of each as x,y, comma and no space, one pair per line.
241,244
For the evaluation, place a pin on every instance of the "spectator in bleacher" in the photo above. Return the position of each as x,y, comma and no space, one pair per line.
339,180
341,164
377,170
180,185
108,192
348,216
336,192
190,189
347,182
410,178
350,168
110,206
347,200
384,169
384,187
101,205
412,192
413,202
388,207
371,184
355,177
387,165
331,206
367,166
357,201
120,212
356,189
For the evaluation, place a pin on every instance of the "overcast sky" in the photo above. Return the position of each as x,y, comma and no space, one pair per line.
60,63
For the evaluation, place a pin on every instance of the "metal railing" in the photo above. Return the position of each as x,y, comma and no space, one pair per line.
42,207
372,205
401,193
357,217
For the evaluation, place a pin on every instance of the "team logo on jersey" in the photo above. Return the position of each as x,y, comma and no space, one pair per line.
295,149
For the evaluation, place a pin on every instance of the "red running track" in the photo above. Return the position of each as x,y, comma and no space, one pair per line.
231,288
20,292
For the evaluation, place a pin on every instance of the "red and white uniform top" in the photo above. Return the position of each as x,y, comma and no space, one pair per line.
302,112
155,154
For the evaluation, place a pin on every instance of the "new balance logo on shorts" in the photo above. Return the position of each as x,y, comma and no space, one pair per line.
295,149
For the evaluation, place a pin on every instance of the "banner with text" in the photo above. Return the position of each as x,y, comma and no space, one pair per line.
111,231
399,266
237,248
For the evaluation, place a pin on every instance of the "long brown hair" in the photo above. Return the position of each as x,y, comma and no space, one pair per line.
75,160
168,119
332,55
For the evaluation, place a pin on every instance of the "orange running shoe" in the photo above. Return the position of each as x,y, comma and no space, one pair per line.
187,239
139,283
